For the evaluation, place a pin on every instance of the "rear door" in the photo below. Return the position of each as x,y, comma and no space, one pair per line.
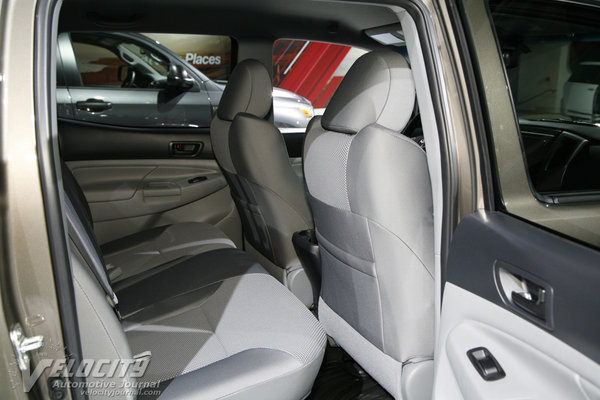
521,303
142,162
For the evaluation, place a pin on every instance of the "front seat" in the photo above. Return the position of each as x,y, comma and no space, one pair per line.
370,195
269,196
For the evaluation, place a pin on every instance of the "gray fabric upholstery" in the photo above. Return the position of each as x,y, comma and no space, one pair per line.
268,194
250,311
248,90
101,334
378,89
371,198
189,275
143,251
230,378
214,330
260,157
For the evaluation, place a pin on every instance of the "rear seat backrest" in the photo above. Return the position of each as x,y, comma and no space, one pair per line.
102,336
73,190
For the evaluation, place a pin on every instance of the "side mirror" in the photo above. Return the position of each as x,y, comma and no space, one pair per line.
177,77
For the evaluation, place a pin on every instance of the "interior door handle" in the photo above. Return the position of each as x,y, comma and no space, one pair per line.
93,105
533,301
185,149
525,293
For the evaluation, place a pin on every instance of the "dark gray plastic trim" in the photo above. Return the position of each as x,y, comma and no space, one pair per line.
571,270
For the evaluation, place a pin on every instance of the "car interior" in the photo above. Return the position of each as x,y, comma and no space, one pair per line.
235,275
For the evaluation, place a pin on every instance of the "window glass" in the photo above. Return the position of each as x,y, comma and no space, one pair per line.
552,59
210,54
305,76
156,62
142,80
97,65
118,63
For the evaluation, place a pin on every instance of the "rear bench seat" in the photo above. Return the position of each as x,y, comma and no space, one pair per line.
216,324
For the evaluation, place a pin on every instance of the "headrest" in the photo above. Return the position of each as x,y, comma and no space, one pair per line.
249,90
378,88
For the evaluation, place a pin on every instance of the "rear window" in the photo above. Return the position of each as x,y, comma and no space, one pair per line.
311,70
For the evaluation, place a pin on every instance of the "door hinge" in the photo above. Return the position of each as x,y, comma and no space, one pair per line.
22,345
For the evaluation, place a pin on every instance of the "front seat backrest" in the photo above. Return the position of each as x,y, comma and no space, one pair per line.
370,195
251,151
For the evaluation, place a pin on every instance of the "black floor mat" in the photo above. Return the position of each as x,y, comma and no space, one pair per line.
340,378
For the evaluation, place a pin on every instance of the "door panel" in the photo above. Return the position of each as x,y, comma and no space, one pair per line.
553,356
126,189
537,365
133,181
143,107
89,141
216,209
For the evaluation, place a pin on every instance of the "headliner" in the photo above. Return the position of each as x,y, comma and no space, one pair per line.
335,22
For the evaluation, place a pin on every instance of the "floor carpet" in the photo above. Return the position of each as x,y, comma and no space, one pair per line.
340,378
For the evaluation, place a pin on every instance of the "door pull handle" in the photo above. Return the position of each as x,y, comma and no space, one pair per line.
93,105
533,302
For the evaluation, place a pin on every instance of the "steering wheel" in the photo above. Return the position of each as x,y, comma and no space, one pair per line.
129,79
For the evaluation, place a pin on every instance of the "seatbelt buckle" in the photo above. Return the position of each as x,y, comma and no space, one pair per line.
113,272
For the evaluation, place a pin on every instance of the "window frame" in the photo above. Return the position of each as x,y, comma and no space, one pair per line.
512,188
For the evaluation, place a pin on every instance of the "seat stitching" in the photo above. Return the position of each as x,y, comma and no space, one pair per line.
345,263
387,98
214,329
405,244
381,315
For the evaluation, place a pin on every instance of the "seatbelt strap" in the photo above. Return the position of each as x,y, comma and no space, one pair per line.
84,244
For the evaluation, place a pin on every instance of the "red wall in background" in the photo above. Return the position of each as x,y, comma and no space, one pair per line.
311,74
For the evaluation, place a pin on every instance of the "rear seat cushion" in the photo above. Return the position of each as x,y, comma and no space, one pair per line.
217,326
230,338
151,248
196,274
